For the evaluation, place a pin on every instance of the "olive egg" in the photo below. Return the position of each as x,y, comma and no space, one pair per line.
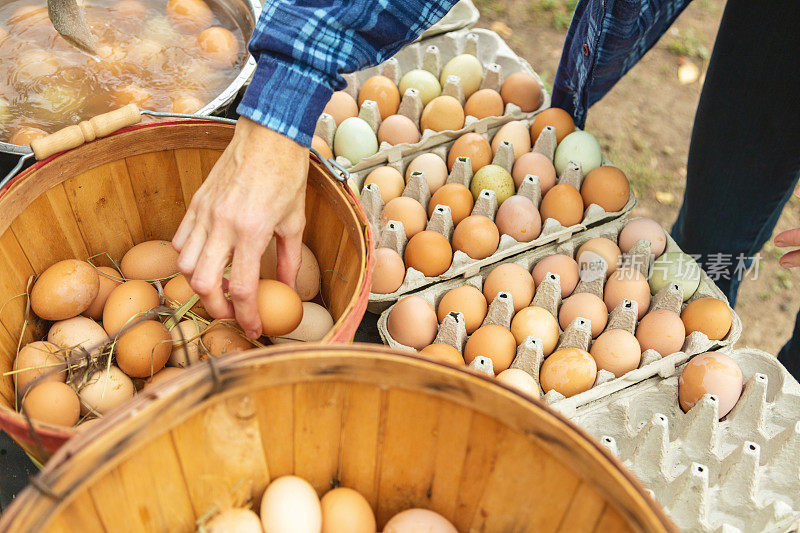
494,178
468,69
424,82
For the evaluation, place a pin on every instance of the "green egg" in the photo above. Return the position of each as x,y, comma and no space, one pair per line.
494,178
579,147
424,82
675,267
354,140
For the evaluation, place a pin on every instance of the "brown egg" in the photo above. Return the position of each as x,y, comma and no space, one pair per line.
341,106
518,218
66,289
150,260
563,203
38,358
279,307
607,187
398,129
130,299
190,16
185,343
186,104
466,300
23,135
344,509
223,339
389,181
558,118
321,146
473,146
494,342
643,228
710,373
219,44
308,279
523,90
519,380
536,322
617,351
408,212
569,371
584,305
109,279
599,248
538,165
563,265
443,353
412,322
443,113
627,283
53,403
477,236
484,103
516,133
513,279
165,374
143,349
132,94
383,92
429,252
432,166
661,330
389,271
455,196
179,291
707,315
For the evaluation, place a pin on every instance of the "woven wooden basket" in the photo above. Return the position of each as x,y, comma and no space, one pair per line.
133,186
401,430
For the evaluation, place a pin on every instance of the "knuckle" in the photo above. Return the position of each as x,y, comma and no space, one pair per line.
239,290
220,214
202,286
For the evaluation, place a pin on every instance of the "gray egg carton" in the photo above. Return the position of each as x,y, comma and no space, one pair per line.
578,334
432,54
391,234
739,474
462,15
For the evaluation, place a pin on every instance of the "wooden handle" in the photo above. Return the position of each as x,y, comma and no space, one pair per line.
86,131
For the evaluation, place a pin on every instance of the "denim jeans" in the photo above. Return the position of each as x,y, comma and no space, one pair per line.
744,157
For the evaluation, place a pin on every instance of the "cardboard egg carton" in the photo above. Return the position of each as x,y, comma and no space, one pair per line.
739,474
463,14
390,234
432,54
529,355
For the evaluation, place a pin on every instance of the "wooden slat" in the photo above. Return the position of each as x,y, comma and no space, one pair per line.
8,351
358,452
611,521
276,424
190,169
129,211
110,496
158,193
482,446
80,515
584,511
451,452
208,158
15,270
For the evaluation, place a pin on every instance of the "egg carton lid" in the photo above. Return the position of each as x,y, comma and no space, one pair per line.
463,14
391,234
432,54
738,474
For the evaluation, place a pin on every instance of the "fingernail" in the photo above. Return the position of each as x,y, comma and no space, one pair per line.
253,334
778,241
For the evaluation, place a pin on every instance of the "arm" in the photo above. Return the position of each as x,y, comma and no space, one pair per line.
257,188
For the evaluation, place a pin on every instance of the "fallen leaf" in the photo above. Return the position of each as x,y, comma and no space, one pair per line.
665,197
501,29
688,73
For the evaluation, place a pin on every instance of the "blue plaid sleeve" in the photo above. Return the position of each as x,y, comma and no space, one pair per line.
303,46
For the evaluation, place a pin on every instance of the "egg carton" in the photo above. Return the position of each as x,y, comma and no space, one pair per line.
463,14
529,355
735,475
391,233
432,54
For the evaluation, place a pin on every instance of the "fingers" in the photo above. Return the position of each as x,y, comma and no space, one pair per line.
289,251
790,260
788,238
184,230
243,284
191,250
207,277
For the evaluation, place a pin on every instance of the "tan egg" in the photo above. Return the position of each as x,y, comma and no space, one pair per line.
64,290
234,521
707,315
418,521
518,218
23,135
186,104
455,196
407,211
190,16
516,133
523,90
388,272
473,146
599,248
492,341
661,330
291,505
429,252
383,92
165,374
185,343
443,113
513,279
536,322
398,129
317,322
627,283
558,118
607,187
468,301
344,509
389,181
584,305
143,349
105,390
219,45
412,322
280,308
53,403
467,68
321,146
150,260
132,94
38,358
563,203
307,283
432,166
643,228
535,164
519,380
617,351
569,371
710,373
477,236
179,292
341,107
484,103
78,334
443,353
563,265
130,299
222,339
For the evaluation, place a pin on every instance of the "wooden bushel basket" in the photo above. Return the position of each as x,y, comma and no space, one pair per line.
403,431
110,194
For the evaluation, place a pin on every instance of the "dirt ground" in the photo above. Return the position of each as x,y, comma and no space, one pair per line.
645,123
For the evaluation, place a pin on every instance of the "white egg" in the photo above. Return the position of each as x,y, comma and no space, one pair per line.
316,323
354,140
234,521
78,333
291,505
185,343
105,390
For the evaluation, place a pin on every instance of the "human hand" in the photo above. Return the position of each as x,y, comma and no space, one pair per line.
255,190
789,238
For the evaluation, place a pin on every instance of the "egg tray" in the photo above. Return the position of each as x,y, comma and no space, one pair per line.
738,474
463,14
432,54
529,355
391,234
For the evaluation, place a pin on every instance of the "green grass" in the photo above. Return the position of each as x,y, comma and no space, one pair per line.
556,13
688,43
